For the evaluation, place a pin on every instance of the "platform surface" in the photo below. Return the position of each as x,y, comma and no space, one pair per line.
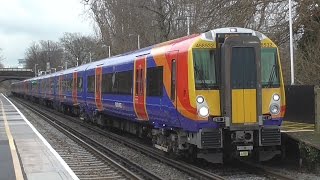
289,126
302,132
24,153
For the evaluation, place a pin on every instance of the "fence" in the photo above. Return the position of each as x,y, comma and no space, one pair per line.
300,103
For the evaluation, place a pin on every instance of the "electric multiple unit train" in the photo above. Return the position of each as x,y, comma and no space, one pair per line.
211,95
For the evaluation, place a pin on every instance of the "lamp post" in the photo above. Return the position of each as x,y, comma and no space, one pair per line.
109,49
187,18
291,44
35,70
55,69
138,39
188,25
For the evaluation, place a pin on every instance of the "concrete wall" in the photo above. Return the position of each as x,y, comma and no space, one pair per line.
317,108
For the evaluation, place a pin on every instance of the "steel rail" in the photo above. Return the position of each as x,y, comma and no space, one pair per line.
96,147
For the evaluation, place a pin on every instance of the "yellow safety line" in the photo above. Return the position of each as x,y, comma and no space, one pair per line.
295,130
287,122
16,162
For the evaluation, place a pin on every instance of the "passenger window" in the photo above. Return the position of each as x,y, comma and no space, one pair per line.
154,81
107,83
124,82
173,80
91,84
139,82
117,83
80,84
98,84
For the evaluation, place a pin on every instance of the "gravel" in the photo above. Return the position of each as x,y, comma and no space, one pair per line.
50,134
162,169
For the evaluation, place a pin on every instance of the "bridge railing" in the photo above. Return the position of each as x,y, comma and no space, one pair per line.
15,69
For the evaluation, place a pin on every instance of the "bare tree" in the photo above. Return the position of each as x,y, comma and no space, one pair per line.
1,56
161,20
1,59
80,49
308,61
119,22
42,53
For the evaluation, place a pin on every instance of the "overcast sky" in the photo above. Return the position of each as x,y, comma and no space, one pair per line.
25,21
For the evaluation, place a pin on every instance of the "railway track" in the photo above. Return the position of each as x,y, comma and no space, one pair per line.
90,159
191,170
194,171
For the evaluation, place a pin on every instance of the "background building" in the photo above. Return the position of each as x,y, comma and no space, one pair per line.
22,63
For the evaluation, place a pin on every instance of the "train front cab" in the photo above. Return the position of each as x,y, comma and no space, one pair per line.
251,98
242,99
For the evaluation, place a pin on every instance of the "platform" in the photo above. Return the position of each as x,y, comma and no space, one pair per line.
302,132
289,126
24,153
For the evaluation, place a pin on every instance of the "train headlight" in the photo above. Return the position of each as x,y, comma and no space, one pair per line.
204,111
200,99
233,29
274,109
276,97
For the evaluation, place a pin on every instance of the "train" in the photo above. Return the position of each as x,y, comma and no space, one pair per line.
211,95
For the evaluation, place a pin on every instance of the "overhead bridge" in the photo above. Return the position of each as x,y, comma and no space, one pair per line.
15,74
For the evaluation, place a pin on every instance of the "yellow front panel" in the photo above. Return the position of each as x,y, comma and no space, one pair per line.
267,97
244,103
250,105
213,100
237,106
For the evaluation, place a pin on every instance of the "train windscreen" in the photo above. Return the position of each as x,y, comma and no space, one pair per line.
204,69
269,67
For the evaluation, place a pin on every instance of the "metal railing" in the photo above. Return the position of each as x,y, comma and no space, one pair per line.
15,69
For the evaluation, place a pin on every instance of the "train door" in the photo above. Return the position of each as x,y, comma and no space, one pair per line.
43,88
74,88
55,90
49,89
98,81
173,110
241,79
61,87
25,87
139,93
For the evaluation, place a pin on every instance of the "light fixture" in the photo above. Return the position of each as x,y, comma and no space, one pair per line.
274,109
233,29
276,97
200,99
203,111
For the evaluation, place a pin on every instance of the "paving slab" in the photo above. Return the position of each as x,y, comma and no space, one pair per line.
36,158
310,138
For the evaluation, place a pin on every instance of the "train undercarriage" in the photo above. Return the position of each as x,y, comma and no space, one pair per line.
219,145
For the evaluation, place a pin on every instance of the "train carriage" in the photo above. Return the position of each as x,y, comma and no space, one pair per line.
208,95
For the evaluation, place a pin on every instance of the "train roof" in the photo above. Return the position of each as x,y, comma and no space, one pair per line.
211,35
130,56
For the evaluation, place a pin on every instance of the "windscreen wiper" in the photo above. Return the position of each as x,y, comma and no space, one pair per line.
272,76
200,74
